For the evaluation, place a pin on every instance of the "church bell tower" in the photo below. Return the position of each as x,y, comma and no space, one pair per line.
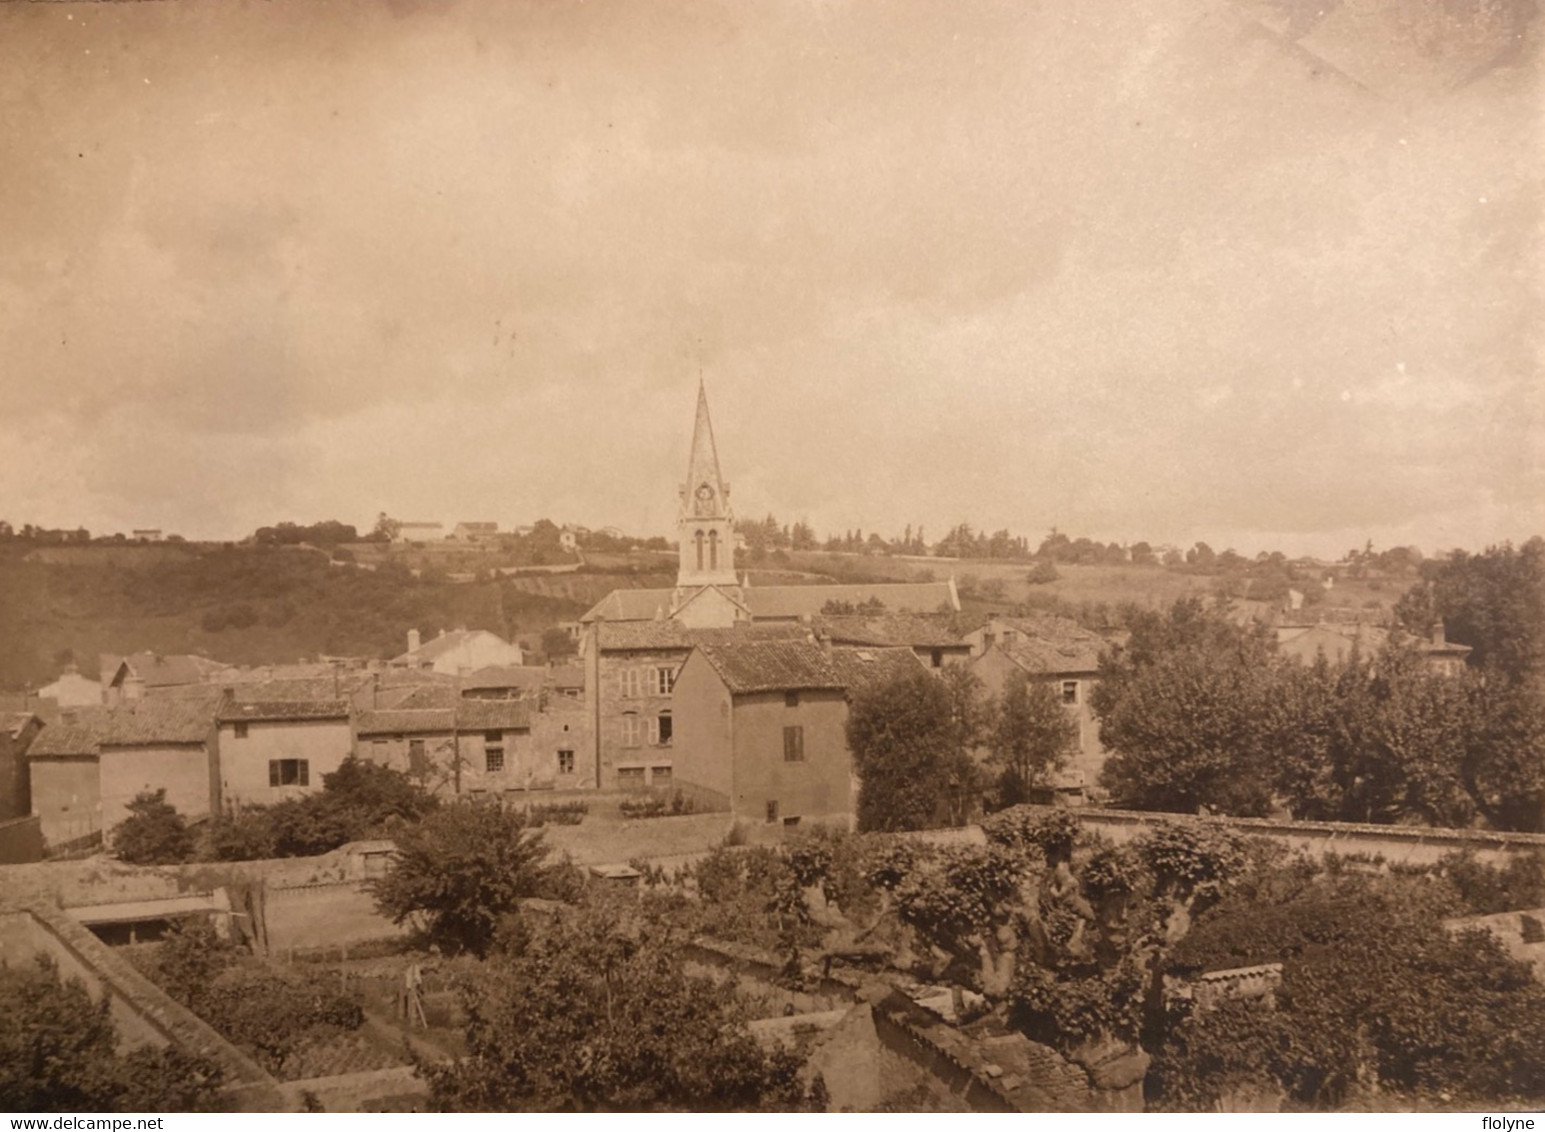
705,523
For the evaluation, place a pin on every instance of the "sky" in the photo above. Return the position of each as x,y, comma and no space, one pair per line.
1264,273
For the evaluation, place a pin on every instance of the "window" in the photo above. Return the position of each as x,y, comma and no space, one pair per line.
632,731
790,699
772,811
630,777
565,762
713,550
241,730
1070,691
791,821
664,681
418,760
632,683
793,744
493,759
660,729
659,774
289,772
698,538
936,658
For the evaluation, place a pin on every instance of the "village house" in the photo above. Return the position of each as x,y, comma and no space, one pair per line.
72,689
1058,652
17,731
454,745
129,678
634,640
763,726
474,532
930,637
631,673
276,748
418,532
86,769
458,652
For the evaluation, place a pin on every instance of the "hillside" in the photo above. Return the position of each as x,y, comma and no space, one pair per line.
247,605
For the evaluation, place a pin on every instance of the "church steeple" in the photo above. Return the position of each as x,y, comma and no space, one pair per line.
705,523
704,494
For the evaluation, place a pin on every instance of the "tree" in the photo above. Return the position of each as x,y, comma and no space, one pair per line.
907,748
385,530
59,1053
1192,714
598,1013
154,832
557,644
460,870
1494,602
1031,738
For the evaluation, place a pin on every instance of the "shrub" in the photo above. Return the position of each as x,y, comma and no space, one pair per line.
59,1052
154,832
461,869
1486,889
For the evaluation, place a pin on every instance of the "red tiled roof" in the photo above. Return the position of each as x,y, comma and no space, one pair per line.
913,630
860,668
284,710
772,666
527,677
392,722
482,715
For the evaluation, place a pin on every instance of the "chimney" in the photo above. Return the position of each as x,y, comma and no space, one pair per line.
413,640
824,639
1438,636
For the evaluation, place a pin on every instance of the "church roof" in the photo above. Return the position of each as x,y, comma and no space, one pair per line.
620,636
783,602
630,605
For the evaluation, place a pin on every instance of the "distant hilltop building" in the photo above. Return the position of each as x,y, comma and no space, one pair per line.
419,532
474,532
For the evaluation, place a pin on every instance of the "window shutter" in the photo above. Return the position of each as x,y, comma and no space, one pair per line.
273,772
305,771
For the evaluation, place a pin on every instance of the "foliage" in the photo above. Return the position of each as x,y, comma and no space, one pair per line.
1487,889
1494,602
359,800
905,736
1042,573
154,833
1031,737
657,807
557,644
59,1053
270,1017
1190,715
596,1013
1196,861
1373,988
556,813
459,870
1026,829
1067,1008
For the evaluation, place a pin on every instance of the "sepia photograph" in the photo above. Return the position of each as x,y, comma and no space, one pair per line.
771,556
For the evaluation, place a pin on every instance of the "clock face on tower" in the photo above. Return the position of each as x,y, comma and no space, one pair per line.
704,499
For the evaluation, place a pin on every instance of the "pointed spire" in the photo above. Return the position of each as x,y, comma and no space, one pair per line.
703,467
